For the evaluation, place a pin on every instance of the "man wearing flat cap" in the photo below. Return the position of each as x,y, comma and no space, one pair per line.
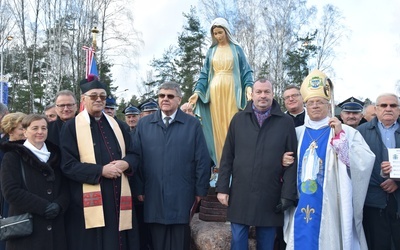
97,158
352,112
148,107
111,106
334,166
132,115
111,110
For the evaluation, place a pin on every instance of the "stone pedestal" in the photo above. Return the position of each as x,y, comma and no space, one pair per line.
208,235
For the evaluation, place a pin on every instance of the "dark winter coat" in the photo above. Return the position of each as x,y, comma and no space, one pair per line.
54,131
44,185
175,164
376,196
3,202
253,157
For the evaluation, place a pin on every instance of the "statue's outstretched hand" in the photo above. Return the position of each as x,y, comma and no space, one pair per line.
248,93
193,99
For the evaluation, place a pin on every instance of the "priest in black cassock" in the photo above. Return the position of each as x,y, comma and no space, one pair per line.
97,158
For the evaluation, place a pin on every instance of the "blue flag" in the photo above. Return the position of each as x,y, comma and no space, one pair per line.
93,67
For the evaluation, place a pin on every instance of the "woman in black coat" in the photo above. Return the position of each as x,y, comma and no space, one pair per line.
44,193
11,124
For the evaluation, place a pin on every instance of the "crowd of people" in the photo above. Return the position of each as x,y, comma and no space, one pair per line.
86,174
304,178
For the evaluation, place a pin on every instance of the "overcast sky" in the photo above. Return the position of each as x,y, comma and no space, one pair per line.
368,63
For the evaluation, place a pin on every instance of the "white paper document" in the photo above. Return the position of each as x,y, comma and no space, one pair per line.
394,159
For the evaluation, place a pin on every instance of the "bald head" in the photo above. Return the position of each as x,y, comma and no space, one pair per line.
369,112
187,108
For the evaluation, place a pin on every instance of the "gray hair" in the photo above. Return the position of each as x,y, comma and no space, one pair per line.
64,92
172,85
387,95
366,106
49,106
3,109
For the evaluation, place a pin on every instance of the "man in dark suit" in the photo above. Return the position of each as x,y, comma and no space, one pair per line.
175,163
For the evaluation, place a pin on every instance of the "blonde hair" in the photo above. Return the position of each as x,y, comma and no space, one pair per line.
11,121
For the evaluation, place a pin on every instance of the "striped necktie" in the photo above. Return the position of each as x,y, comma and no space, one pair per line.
167,118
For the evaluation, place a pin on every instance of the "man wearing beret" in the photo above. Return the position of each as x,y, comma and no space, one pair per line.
352,112
334,166
97,158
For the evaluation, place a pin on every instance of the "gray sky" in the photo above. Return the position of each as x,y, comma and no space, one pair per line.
367,64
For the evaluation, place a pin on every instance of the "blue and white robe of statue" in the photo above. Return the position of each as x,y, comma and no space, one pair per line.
331,194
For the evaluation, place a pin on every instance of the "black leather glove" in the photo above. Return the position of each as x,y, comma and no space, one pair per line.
283,205
52,210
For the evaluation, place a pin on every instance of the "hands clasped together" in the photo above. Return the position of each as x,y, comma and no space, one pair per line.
114,169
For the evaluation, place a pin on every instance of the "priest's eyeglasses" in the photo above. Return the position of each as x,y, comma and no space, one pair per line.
94,96
291,96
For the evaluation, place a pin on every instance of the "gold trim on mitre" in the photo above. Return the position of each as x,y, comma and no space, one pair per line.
313,86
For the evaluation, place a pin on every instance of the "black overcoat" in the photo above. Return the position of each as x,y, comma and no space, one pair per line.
45,184
54,131
253,156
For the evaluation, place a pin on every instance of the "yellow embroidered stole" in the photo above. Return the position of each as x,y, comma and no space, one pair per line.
92,198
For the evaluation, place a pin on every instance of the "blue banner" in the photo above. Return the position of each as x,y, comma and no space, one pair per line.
4,92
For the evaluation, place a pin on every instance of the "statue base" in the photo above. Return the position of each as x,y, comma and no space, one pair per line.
211,209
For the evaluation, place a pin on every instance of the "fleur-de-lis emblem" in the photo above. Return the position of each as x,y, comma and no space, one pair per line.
308,212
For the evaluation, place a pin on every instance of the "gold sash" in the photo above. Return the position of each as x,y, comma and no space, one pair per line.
92,198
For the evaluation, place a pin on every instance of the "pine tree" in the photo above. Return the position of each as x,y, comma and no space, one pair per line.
297,60
190,53
182,64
